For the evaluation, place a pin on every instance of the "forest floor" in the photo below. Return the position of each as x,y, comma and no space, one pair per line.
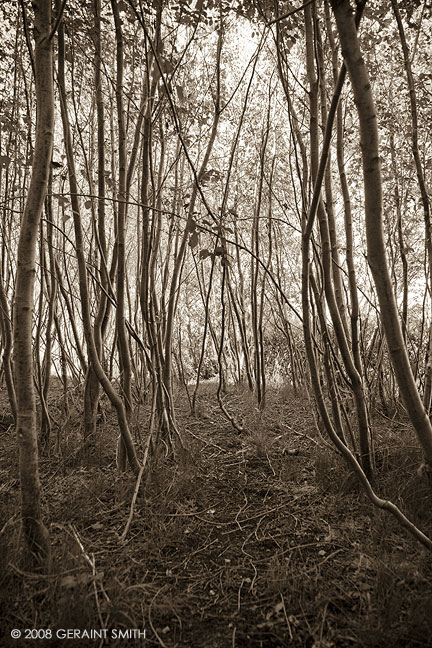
261,539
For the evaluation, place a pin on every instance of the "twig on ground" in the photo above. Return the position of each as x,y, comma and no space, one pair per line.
306,436
90,559
286,617
162,643
233,637
206,443
135,495
6,524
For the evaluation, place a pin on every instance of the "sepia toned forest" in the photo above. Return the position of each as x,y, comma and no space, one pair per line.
216,323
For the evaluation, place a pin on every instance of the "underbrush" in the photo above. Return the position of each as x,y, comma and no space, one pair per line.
261,539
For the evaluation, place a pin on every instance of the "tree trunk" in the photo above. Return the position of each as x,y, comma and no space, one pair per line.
94,360
326,259
374,224
35,533
427,395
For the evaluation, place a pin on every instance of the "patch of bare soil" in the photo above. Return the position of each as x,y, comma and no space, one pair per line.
259,540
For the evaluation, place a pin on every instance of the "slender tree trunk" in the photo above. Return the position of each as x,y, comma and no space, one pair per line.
374,224
256,306
336,264
51,291
94,360
400,234
352,280
427,395
326,258
92,387
35,533
125,365
122,340
6,336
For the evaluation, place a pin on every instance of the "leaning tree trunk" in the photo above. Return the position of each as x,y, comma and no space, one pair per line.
35,533
427,395
336,310
374,225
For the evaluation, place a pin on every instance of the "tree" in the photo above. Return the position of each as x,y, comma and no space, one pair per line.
374,224
35,533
